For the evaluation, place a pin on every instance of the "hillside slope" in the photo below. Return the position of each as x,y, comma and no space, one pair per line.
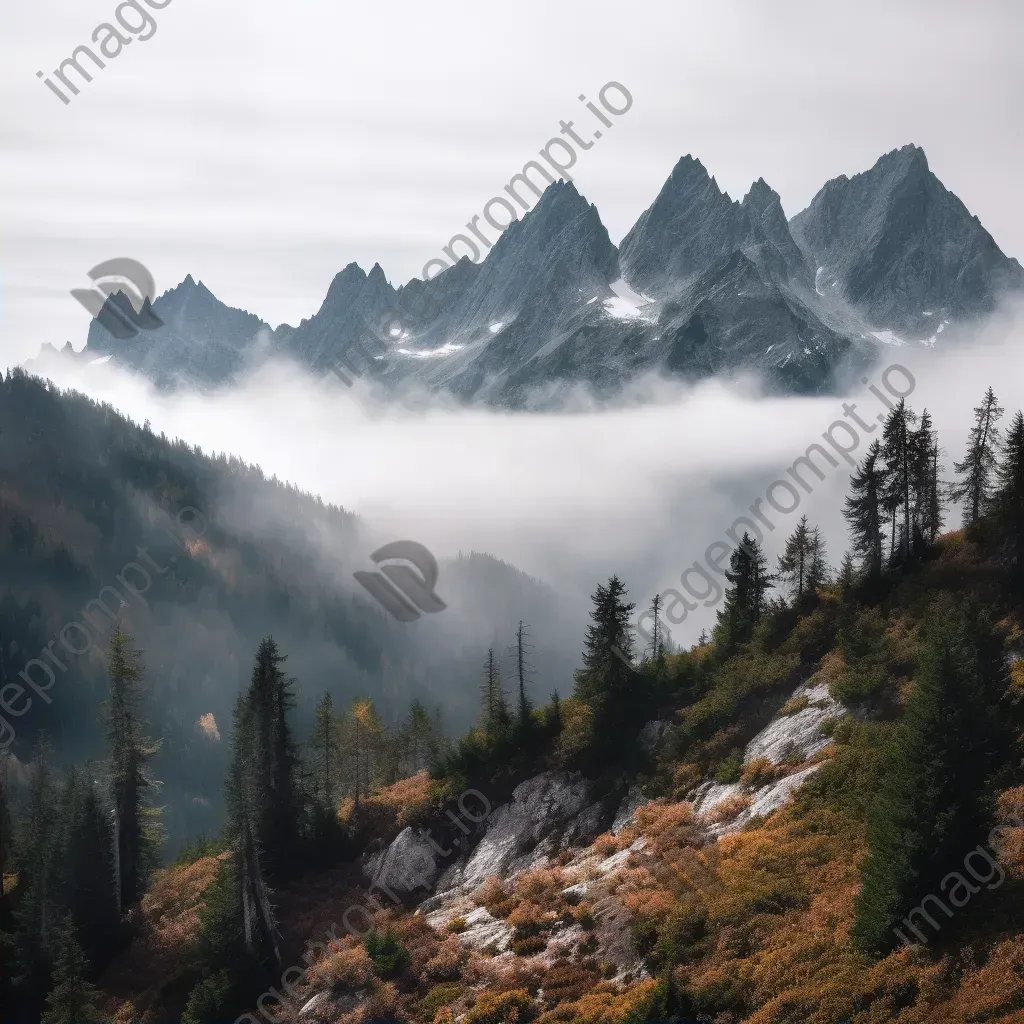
704,871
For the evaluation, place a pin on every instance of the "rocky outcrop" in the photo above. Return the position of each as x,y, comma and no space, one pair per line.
792,738
797,735
549,812
409,864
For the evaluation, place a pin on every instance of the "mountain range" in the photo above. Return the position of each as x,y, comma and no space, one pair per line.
701,285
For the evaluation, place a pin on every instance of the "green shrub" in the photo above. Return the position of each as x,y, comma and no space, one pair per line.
731,769
202,847
438,996
210,1001
527,945
389,956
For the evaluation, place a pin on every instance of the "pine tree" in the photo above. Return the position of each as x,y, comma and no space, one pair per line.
324,746
938,793
749,582
657,645
494,706
795,562
524,718
847,605
604,681
136,832
978,465
37,860
278,806
864,510
363,744
6,823
72,999
927,512
89,875
818,570
247,899
420,738
897,496
555,715
1007,505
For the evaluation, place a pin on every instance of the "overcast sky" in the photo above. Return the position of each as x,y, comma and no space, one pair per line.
263,146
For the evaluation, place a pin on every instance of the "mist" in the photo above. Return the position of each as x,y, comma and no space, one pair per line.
640,488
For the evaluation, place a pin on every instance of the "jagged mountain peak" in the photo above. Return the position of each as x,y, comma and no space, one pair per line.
760,194
901,246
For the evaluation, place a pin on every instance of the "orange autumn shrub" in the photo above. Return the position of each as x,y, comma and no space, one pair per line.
540,883
350,967
446,963
729,808
603,1005
606,844
501,1008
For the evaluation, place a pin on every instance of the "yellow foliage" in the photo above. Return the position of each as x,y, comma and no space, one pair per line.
501,1008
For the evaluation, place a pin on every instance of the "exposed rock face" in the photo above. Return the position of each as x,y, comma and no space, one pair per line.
545,811
482,928
798,735
631,803
690,227
900,246
409,864
792,738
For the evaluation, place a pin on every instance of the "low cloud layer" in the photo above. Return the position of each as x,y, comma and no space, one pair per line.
642,489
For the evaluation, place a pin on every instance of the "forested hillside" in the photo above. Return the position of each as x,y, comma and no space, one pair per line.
198,556
815,814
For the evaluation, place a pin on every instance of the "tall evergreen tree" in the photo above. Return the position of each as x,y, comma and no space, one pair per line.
604,681
656,647
749,582
279,809
72,999
136,829
978,466
324,748
6,822
927,510
420,738
37,859
494,706
897,496
89,875
555,716
865,511
245,795
938,793
801,564
364,742
1007,505
818,571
